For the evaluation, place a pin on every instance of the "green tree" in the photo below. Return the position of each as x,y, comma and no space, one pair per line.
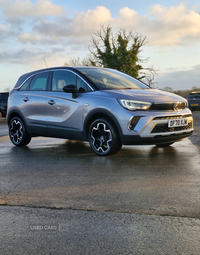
120,52
168,89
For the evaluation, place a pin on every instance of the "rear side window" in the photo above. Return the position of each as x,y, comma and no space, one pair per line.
39,82
25,86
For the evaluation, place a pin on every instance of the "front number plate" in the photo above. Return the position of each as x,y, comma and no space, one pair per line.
177,122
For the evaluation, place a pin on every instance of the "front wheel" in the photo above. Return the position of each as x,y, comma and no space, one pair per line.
103,138
17,132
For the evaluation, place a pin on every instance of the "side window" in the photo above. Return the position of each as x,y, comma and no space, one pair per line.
82,86
39,82
26,84
61,79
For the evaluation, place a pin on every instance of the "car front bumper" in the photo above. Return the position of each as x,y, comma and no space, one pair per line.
154,128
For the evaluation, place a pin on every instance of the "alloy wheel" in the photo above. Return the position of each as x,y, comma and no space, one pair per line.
101,138
104,138
16,131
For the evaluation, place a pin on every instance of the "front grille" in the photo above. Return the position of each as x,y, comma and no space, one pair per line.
162,128
168,107
173,117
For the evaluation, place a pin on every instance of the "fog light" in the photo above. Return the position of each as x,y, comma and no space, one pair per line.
133,122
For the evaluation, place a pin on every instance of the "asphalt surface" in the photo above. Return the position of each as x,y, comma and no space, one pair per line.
3,127
58,197
46,231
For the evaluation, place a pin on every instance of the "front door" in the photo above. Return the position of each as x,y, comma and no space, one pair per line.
64,113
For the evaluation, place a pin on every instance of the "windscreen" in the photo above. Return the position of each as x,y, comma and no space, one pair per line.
108,79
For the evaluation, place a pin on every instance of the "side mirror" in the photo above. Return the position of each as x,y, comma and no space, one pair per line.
71,89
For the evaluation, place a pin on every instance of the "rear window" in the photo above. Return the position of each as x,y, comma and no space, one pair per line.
194,95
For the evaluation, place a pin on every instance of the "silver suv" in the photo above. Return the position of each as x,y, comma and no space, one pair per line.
106,107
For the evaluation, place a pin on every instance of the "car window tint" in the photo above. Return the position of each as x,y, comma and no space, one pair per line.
39,81
61,79
82,86
26,84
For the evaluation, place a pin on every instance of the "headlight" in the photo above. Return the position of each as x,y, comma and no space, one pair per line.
133,105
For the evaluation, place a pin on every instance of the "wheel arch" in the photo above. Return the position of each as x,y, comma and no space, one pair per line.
15,113
101,113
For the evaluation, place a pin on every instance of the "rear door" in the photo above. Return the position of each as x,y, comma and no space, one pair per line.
33,103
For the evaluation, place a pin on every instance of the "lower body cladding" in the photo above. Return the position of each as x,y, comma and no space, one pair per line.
165,129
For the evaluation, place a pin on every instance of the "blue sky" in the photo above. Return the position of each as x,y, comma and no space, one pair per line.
56,31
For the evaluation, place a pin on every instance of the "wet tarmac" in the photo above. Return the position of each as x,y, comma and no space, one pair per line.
149,195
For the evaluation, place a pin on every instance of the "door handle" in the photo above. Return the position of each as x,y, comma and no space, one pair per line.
51,102
26,99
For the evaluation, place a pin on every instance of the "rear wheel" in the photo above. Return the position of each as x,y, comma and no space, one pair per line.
17,132
103,138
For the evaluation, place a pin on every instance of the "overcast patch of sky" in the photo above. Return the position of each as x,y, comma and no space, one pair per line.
58,30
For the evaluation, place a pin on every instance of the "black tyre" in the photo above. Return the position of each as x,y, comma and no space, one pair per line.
17,132
103,138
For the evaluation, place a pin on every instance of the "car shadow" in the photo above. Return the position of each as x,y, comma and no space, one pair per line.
79,151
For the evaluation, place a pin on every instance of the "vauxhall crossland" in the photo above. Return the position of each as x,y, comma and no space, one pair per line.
106,107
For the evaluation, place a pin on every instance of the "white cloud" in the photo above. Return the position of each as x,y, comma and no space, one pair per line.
173,25
21,8
58,28
4,28
79,29
87,23
33,38
5,32
130,19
